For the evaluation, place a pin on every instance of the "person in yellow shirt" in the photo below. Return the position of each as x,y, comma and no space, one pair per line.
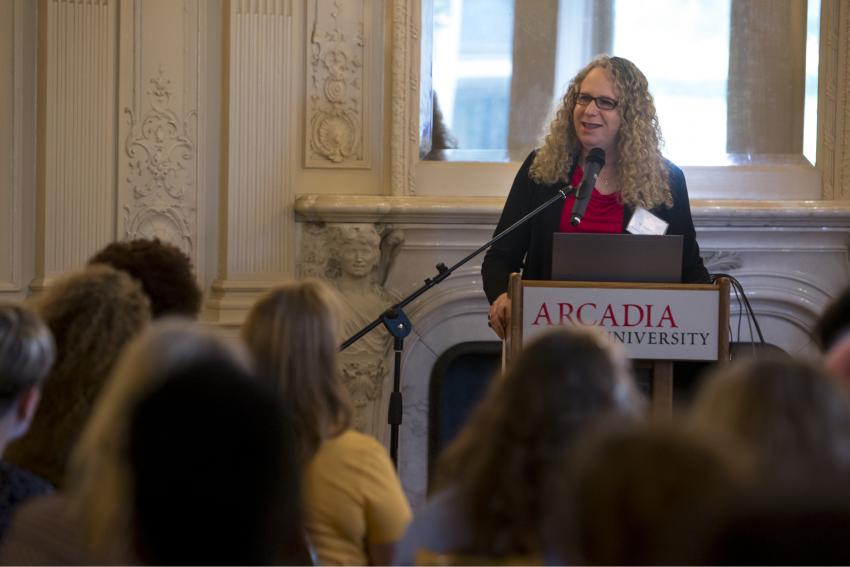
355,507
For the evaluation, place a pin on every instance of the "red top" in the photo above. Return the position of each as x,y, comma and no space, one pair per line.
604,213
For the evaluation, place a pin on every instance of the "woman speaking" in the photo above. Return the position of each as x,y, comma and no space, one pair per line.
607,107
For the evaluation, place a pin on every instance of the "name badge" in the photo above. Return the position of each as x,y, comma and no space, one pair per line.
644,222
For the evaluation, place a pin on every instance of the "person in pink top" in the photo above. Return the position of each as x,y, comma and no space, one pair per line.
607,107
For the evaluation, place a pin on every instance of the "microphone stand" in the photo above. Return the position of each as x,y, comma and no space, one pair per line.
399,326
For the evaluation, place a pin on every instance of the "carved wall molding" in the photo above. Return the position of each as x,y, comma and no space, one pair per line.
405,96
842,181
834,92
258,139
161,152
13,109
827,95
721,261
77,126
338,64
355,258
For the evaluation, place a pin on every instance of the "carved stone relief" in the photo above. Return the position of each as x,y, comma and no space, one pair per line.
161,154
356,258
336,85
721,262
405,88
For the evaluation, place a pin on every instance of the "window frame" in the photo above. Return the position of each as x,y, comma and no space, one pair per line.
785,179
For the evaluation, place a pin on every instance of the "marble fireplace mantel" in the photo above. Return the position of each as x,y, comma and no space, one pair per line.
790,256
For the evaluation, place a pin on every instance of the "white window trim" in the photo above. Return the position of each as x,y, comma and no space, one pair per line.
781,181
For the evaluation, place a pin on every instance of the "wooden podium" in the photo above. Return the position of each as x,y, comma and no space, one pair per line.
656,323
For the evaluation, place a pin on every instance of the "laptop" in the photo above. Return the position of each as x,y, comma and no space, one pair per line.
641,258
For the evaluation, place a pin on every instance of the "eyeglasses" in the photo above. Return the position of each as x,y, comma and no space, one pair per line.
602,102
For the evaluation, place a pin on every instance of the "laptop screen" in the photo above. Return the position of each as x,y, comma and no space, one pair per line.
617,257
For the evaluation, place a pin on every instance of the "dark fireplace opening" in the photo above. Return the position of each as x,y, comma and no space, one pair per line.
459,380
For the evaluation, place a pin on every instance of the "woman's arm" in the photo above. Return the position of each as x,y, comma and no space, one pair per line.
681,222
506,256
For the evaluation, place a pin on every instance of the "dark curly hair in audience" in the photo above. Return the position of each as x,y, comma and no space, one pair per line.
834,322
163,269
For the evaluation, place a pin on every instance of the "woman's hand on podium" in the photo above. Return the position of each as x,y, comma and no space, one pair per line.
500,315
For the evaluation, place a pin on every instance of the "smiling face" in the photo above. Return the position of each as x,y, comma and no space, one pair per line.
597,128
358,258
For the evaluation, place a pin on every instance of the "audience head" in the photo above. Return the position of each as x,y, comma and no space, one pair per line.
92,314
834,322
771,526
293,334
836,361
98,475
832,333
27,353
788,415
215,479
642,495
561,382
164,271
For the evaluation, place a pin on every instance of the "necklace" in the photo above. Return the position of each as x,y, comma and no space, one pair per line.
607,184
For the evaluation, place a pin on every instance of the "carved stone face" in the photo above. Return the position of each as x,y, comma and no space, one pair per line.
358,259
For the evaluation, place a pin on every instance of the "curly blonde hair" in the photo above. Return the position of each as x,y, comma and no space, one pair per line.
644,178
92,314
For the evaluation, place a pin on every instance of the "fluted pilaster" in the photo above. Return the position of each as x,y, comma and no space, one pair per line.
77,132
258,194
16,142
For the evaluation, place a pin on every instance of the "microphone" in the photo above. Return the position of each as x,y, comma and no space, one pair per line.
593,163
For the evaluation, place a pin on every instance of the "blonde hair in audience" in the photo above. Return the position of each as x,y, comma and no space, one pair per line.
788,414
92,314
99,475
293,333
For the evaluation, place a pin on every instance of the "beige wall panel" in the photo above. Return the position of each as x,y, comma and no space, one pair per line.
78,141
338,92
10,188
404,145
339,61
158,157
834,92
260,224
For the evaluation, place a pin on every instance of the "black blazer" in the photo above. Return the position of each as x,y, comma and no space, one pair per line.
529,247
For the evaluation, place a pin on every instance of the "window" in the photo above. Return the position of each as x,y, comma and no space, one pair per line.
721,72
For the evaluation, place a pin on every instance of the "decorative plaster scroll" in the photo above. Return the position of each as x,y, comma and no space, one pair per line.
405,96
337,86
721,261
161,152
